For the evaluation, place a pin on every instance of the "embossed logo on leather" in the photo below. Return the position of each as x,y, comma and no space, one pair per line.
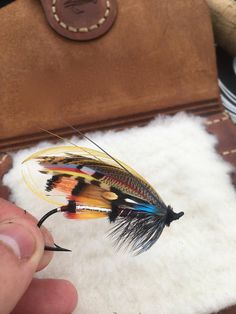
75,5
81,19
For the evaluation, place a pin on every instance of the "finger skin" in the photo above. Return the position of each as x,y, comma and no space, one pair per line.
48,296
47,255
9,211
16,273
18,292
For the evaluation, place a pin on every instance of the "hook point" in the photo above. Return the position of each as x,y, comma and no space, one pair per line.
56,248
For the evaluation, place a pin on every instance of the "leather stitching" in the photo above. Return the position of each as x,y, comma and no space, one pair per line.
225,117
81,29
229,152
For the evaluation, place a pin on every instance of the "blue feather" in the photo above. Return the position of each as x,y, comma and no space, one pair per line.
148,208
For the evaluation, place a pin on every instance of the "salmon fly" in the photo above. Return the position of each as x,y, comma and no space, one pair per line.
94,184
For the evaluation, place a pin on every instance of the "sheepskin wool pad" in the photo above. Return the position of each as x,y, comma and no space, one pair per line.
191,268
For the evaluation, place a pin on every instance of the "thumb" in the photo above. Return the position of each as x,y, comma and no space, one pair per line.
21,248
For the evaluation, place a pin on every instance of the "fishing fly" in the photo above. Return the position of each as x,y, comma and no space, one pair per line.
85,184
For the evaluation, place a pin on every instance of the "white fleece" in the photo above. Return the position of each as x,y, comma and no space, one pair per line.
192,267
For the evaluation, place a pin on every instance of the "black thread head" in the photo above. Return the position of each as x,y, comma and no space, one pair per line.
171,216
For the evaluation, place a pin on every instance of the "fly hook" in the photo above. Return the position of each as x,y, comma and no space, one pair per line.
71,207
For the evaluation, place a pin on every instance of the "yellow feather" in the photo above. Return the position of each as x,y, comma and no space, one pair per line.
65,151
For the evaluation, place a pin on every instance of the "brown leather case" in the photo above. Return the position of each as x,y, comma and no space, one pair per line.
225,130
158,57
229,310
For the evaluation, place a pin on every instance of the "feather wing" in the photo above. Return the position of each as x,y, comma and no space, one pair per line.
93,167
100,186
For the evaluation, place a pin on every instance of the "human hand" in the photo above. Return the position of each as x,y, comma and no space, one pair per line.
21,255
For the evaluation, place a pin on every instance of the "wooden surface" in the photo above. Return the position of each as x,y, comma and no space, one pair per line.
157,58
5,166
223,13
